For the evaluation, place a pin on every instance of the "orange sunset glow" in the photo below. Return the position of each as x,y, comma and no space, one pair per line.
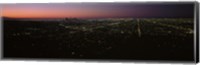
81,10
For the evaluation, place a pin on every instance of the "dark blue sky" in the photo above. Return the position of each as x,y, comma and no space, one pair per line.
99,10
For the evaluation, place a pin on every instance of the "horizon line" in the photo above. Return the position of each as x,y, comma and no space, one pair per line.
86,18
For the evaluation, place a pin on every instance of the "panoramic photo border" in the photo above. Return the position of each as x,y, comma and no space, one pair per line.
196,40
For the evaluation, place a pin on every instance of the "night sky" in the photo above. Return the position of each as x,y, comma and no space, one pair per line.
99,10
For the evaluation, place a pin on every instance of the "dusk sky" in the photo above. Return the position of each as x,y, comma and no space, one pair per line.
97,10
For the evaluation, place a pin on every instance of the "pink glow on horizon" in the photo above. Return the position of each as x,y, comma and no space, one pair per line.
98,10
53,12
